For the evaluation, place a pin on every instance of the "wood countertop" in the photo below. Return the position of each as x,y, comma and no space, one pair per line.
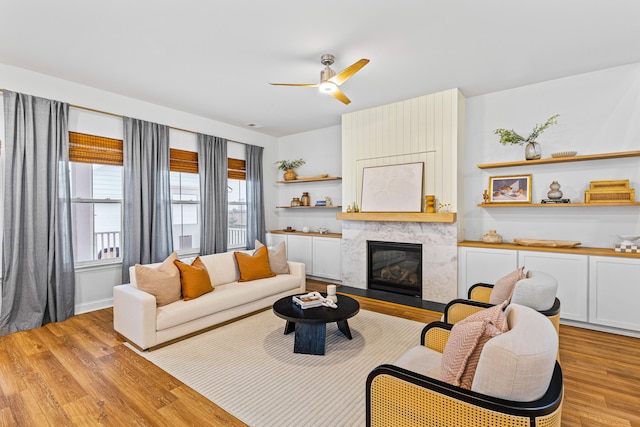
578,250
310,233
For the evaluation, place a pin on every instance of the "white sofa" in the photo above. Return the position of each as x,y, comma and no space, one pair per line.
141,322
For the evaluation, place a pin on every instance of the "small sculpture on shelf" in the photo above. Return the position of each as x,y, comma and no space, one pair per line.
485,196
430,202
349,209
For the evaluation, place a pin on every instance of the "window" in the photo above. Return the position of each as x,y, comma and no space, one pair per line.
96,196
237,204
185,199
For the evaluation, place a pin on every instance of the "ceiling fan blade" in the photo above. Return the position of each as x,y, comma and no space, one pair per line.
337,94
295,84
343,75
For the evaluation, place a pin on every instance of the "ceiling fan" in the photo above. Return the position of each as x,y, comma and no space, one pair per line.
329,80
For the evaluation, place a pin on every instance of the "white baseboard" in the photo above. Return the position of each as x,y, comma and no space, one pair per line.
93,306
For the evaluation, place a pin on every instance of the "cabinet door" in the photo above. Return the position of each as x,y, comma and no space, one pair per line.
299,249
327,258
614,292
571,272
480,265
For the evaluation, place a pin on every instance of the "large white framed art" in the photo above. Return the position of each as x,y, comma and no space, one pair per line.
392,188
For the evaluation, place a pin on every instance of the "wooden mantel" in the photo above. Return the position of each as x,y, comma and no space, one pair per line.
397,216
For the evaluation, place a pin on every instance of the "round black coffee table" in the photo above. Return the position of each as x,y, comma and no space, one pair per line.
310,324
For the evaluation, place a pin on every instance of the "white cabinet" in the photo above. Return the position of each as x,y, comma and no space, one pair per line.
322,256
571,273
614,292
299,248
327,257
481,265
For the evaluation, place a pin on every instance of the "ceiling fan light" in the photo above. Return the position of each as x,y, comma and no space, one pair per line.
327,87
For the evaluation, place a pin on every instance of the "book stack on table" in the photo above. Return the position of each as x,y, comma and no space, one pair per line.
308,301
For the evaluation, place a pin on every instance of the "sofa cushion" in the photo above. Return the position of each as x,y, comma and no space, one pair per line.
503,288
465,344
253,267
538,291
222,268
163,281
277,257
225,297
518,364
194,279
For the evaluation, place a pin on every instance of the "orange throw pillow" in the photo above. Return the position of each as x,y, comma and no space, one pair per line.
253,267
194,279
464,346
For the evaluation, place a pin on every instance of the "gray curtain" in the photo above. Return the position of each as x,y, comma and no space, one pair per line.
256,229
38,279
214,198
146,219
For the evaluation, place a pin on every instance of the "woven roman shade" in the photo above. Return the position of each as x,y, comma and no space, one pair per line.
85,148
183,161
237,169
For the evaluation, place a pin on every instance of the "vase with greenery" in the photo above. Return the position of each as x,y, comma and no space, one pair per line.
532,150
288,167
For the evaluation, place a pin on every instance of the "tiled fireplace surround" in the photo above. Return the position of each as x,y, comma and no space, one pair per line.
439,253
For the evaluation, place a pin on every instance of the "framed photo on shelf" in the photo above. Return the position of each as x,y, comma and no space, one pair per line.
510,189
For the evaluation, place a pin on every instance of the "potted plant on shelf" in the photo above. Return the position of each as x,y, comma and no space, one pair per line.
532,150
288,167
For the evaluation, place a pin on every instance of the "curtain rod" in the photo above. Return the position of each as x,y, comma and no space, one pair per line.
121,116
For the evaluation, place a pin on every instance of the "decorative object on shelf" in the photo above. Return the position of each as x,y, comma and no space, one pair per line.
392,188
492,237
555,201
355,207
321,203
547,243
444,207
555,192
349,209
628,239
327,200
510,189
305,200
532,151
617,191
305,229
288,166
429,203
323,230
311,177
619,247
331,293
289,229
485,197
295,202
561,154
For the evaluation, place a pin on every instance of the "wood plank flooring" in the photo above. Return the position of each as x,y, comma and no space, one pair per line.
78,373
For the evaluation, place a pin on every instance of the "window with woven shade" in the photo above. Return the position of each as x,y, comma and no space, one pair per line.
237,207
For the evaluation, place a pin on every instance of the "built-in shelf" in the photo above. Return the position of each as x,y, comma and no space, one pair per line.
295,181
561,159
583,250
397,216
309,207
554,205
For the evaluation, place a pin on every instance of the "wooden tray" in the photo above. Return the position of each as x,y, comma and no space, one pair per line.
547,243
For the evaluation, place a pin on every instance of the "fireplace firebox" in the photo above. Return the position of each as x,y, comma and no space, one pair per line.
395,267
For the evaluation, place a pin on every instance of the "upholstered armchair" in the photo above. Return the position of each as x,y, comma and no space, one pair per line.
537,290
517,382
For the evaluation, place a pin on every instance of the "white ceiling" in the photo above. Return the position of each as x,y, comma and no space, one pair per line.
215,58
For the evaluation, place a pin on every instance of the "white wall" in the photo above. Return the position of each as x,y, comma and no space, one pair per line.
94,284
599,113
321,149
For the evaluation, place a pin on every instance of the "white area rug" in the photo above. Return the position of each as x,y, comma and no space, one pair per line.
249,368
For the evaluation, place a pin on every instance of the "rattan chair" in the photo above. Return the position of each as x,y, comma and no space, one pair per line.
480,293
409,393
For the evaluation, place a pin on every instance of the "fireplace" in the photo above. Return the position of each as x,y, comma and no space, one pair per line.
395,267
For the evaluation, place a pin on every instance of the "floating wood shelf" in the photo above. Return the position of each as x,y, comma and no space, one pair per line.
561,159
309,207
582,250
554,205
397,216
295,181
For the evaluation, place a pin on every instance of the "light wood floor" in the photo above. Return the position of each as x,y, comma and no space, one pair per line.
78,373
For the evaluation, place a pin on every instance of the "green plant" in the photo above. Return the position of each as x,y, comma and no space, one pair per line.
511,137
285,165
